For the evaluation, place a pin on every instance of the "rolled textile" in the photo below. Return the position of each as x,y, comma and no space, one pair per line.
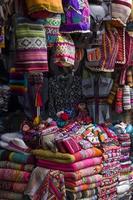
72,166
14,175
77,175
13,165
7,137
83,187
85,180
11,195
122,188
65,157
16,157
13,186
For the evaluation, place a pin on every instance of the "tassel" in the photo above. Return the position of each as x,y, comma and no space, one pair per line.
38,105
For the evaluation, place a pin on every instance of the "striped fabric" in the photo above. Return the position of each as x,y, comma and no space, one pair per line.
31,49
121,10
126,98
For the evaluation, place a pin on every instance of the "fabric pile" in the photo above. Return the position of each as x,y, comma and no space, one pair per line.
4,97
111,164
16,166
78,157
125,178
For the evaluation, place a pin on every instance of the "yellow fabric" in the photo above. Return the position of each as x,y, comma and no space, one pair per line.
49,155
54,6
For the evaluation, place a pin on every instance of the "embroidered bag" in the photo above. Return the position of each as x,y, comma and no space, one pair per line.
31,48
121,10
76,17
98,14
103,58
64,51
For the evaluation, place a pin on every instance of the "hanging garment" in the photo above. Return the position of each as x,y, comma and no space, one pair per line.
31,48
76,17
124,57
64,93
95,89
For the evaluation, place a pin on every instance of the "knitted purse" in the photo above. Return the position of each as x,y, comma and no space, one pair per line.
121,10
64,51
31,48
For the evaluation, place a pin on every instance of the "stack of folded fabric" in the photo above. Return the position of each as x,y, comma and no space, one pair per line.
111,164
16,166
78,158
125,178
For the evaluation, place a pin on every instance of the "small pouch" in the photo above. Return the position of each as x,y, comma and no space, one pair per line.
64,51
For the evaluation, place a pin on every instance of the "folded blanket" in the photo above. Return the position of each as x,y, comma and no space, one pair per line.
82,194
13,165
83,172
16,157
10,195
13,186
7,137
109,180
103,191
72,166
14,175
85,180
123,188
83,187
65,157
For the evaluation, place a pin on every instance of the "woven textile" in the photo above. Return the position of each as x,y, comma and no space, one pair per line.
41,5
31,49
126,98
121,10
76,17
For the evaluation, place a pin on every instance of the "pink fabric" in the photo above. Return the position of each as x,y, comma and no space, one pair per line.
85,180
70,167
